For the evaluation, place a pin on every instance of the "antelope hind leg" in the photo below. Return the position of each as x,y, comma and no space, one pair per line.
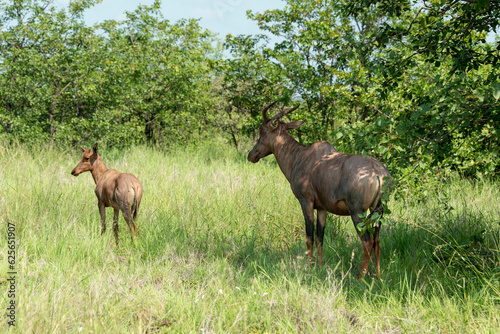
368,245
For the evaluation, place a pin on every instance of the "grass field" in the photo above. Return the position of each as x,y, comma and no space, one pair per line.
221,250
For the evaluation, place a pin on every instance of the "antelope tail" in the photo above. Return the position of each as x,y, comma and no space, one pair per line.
378,198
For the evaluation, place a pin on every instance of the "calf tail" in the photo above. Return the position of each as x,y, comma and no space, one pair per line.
129,199
136,201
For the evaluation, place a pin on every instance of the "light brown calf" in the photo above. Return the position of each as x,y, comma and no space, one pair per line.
118,190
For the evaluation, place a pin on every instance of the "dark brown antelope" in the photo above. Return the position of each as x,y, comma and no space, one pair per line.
325,180
119,190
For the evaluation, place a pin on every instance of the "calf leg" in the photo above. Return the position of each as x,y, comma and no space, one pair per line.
320,231
102,212
115,224
128,218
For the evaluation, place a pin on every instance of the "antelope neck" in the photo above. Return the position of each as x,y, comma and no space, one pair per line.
287,153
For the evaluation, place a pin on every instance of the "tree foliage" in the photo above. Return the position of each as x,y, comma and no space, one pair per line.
142,78
414,83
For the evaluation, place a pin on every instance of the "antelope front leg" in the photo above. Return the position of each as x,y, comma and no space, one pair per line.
102,211
320,232
115,224
308,211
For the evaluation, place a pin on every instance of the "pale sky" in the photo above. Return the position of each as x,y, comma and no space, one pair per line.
219,16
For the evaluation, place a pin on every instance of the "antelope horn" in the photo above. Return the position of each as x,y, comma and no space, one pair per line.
284,112
264,111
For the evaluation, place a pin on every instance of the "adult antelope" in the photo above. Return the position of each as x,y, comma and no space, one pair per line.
119,190
325,180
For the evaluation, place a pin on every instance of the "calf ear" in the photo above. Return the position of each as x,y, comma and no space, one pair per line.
273,124
293,125
95,148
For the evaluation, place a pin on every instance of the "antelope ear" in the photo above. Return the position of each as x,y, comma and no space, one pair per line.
81,148
293,125
95,148
273,124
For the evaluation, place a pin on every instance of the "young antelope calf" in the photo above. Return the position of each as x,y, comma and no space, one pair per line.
119,190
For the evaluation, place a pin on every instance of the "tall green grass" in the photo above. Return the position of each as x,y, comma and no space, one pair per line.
221,249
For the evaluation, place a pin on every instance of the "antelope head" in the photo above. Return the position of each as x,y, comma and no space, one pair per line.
270,133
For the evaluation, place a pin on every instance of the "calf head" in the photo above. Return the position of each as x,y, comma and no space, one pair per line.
87,162
270,133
